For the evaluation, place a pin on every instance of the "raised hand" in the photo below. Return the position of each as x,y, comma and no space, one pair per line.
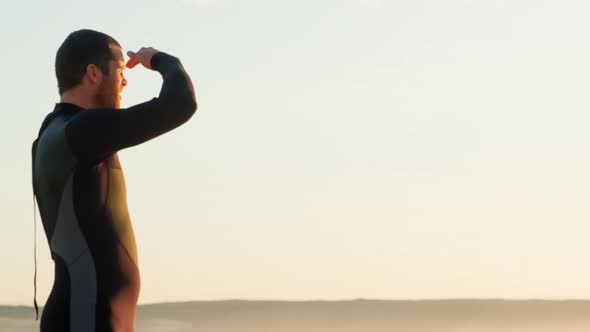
143,56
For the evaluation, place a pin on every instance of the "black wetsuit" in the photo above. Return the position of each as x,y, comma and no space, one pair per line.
80,189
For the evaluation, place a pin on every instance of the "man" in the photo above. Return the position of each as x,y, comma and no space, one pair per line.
79,184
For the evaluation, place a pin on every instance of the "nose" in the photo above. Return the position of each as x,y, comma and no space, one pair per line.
124,82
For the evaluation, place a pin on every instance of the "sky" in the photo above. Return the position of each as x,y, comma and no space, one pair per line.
341,149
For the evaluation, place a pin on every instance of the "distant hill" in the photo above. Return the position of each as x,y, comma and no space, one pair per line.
353,315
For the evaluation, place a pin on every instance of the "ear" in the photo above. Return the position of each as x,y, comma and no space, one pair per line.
93,74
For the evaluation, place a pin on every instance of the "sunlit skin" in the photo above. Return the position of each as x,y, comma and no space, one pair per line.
103,90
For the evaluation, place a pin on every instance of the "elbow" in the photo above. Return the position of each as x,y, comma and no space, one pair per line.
188,108
191,107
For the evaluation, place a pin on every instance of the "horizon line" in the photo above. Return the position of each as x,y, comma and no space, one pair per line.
350,300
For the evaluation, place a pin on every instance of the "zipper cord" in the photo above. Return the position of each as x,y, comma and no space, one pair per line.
34,148
35,256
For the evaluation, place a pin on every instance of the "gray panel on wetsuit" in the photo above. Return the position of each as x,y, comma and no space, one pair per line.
58,163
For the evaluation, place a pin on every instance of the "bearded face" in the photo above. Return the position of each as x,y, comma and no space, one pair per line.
108,94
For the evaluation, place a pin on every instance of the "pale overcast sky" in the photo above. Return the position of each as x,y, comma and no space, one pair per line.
341,149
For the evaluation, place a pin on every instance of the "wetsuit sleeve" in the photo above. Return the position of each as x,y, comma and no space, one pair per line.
95,133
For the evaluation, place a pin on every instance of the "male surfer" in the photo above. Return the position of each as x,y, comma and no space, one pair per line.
78,181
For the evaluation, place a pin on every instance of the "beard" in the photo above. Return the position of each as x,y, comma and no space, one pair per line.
107,97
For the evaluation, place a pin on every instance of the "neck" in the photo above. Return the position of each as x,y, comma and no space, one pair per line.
77,98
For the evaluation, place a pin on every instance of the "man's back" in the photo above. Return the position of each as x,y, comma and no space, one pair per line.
86,222
81,194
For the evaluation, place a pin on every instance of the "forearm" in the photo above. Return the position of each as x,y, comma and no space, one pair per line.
177,90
